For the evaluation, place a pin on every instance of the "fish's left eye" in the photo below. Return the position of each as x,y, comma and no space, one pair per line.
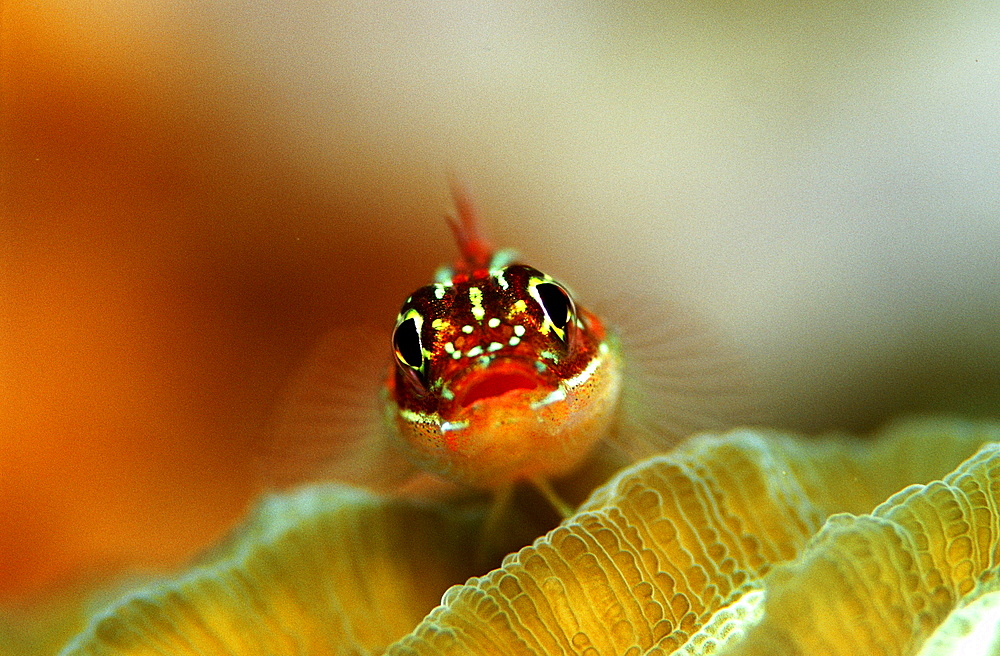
406,343
557,304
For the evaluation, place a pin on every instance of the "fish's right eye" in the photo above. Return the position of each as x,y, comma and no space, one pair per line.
406,343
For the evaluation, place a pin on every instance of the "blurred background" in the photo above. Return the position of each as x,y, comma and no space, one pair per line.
192,193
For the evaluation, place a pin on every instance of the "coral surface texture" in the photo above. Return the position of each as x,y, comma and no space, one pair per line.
750,542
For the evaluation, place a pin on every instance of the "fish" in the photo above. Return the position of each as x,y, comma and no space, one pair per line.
498,376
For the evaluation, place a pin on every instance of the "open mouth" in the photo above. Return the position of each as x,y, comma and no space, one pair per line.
497,381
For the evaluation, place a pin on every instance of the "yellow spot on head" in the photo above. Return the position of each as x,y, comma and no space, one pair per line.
440,324
418,417
519,306
476,300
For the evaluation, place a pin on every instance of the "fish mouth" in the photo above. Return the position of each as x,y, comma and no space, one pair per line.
497,380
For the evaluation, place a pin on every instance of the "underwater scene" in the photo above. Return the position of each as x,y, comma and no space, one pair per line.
528,328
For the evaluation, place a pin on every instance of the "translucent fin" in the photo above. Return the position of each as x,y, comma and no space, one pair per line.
543,486
329,424
493,528
680,378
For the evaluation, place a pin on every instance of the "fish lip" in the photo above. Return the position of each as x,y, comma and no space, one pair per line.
500,378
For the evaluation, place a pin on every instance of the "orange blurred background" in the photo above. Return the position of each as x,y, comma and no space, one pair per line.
162,272
192,194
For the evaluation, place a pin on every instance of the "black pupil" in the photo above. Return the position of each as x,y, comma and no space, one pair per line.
407,343
556,303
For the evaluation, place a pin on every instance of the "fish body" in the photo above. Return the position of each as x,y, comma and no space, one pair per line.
500,375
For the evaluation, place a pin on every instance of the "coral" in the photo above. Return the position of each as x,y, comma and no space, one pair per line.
750,542
327,570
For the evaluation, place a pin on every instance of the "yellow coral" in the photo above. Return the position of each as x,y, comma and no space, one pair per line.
327,570
892,576
739,542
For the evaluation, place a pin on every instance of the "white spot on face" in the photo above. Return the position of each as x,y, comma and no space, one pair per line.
456,355
588,371
474,351
439,291
467,330
476,301
519,330
449,347
501,280
447,394
453,426
493,323
494,346
514,341
555,395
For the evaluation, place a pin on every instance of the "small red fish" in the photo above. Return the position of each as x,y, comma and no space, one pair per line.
500,376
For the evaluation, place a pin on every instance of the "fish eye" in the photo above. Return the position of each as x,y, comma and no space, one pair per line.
557,305
556,302
406,343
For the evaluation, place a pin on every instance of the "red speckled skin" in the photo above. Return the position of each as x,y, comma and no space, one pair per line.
565,392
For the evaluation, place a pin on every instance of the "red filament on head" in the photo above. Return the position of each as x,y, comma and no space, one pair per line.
476,250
